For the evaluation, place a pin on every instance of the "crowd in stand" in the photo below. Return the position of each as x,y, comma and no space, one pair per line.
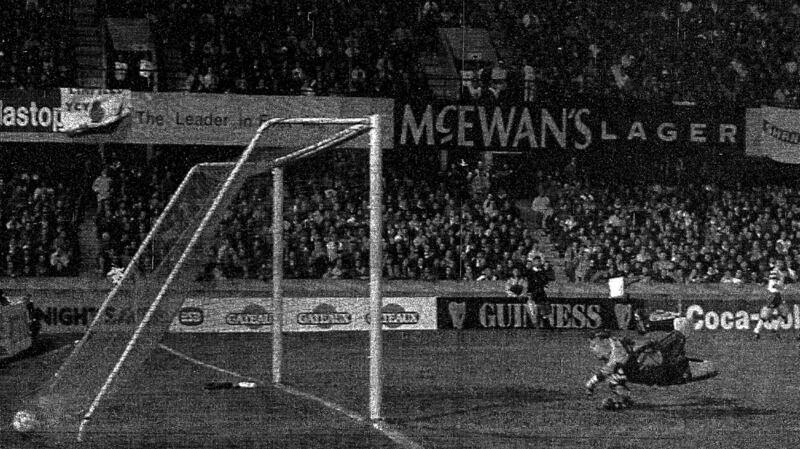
701,51
705,51
39,232
452,225
35,47
280,47
677,232
459,223
131,194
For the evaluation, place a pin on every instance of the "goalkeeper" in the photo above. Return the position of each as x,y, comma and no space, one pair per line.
656,362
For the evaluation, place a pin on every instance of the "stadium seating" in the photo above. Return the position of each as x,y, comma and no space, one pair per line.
721,50
356,48
438,226
677,232
39,235
457,224
35,50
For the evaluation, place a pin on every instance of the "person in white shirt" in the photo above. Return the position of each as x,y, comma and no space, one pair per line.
102,187
776,309
542,208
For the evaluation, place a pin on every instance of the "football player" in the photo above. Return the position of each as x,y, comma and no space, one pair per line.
776,308
616,353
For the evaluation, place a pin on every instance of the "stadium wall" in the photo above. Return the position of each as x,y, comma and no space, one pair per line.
67,305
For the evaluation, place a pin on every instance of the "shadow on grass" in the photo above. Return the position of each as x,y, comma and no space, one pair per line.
706,408
429,404
41,346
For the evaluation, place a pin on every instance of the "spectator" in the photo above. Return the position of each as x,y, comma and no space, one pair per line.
102,187
541,208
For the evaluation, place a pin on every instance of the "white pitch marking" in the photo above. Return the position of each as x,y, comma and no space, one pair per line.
350,414
204,364
393,434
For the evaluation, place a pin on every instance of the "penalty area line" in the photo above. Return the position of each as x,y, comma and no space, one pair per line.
390,432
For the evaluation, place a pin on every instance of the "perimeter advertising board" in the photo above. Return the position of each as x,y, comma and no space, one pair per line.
738,316
237,314
531,127
774,133
599,313
243,314
514,313
181,118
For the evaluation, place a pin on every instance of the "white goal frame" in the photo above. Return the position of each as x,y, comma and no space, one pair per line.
357,127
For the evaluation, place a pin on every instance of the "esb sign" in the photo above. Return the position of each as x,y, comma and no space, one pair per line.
524,126
510,313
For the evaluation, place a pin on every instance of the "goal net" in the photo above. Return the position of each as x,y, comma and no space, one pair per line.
164,271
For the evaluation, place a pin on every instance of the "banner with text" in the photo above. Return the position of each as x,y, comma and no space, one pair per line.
88,109
514,313
738,316
526,127
182,118
774,133
604,313
237,314
30,111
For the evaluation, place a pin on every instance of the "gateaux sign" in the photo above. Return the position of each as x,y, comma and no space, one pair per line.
741,319
243,314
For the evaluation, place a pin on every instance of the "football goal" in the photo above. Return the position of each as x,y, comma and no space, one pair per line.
164,271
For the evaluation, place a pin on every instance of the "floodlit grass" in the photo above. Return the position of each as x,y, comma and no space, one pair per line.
499,389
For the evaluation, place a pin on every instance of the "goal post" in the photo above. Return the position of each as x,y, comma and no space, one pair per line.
375,268
110,352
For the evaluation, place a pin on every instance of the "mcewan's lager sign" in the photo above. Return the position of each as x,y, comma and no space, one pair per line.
524,126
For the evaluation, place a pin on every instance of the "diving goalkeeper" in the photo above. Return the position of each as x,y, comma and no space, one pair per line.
656,362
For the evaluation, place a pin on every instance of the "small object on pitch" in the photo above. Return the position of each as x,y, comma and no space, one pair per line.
229,385
24,421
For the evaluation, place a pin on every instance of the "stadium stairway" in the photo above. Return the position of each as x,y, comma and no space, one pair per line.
173,69
88,40
546,246
89,245
443,79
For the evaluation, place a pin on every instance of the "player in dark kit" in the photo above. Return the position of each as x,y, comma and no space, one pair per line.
539,275
657,362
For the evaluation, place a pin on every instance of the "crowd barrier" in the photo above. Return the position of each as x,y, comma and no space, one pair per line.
68,305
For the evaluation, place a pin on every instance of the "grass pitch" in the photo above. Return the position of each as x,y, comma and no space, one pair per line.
447,389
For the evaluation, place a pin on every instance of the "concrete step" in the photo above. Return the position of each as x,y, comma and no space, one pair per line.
84,31
88,82
90,247
87,41
88,61
93,49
